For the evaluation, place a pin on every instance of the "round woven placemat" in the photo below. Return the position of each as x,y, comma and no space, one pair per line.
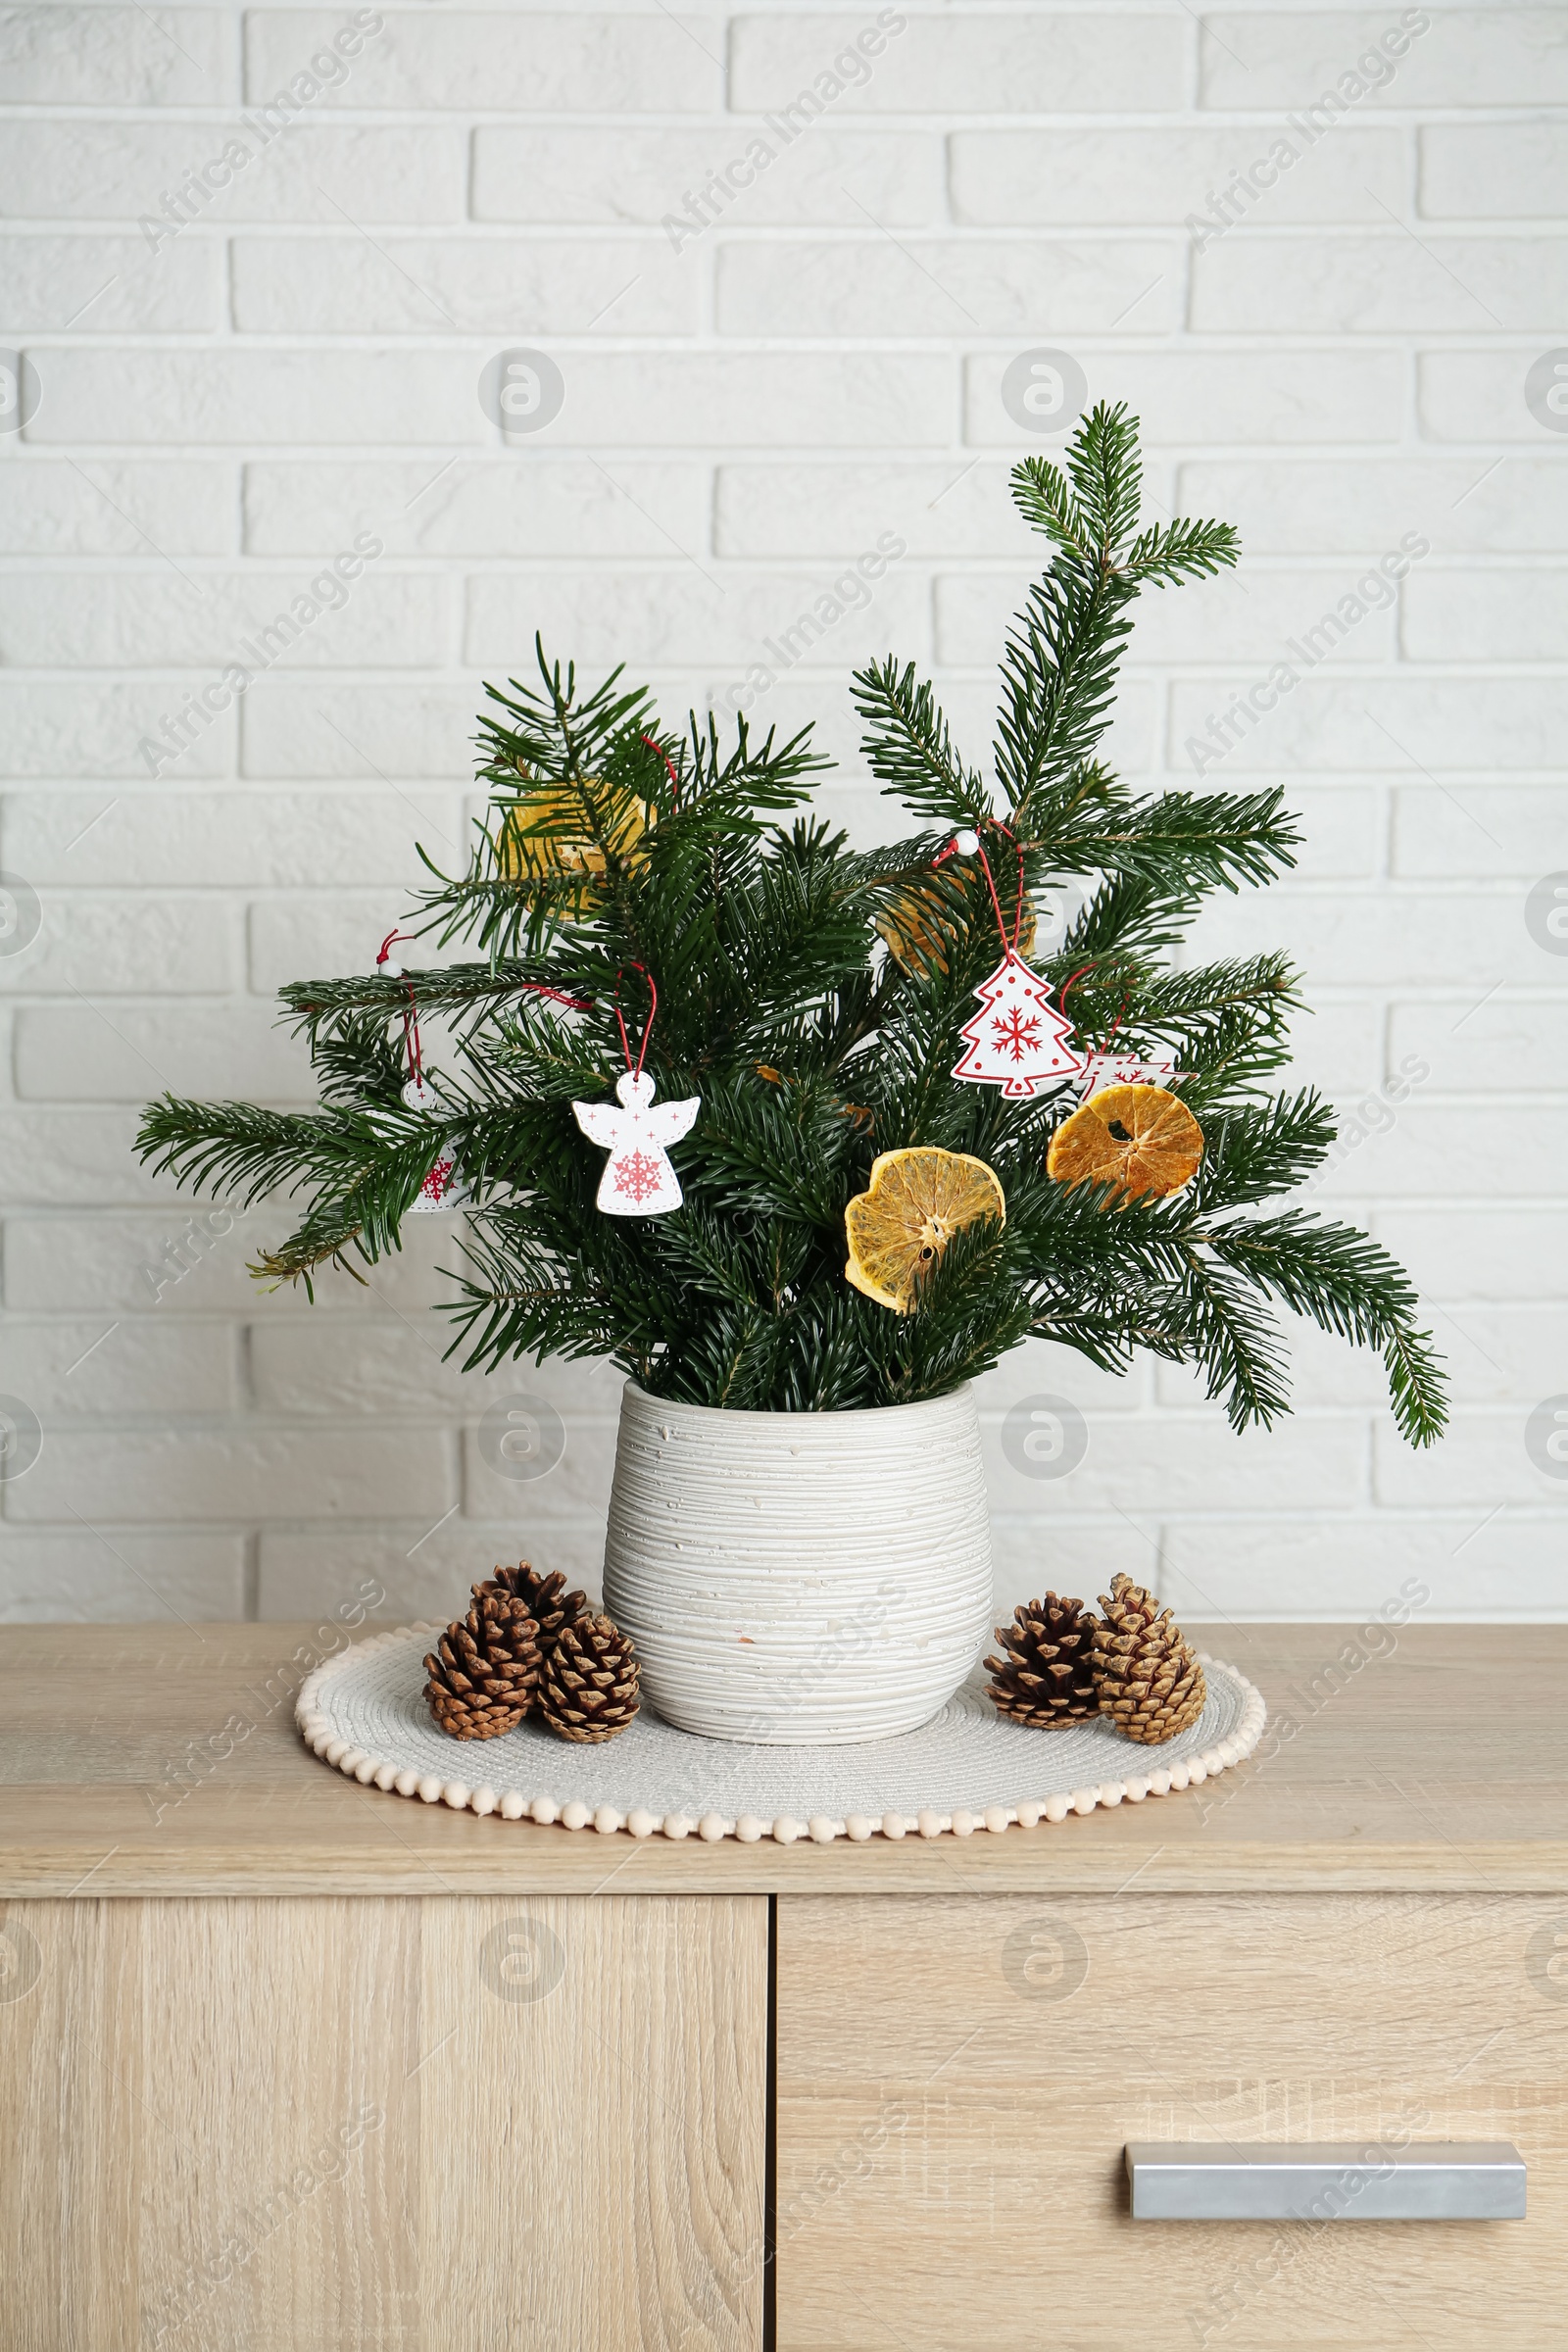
965,1770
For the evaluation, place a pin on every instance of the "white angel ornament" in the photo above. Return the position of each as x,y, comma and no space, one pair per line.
638,1179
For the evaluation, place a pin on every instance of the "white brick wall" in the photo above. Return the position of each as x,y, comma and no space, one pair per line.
226,408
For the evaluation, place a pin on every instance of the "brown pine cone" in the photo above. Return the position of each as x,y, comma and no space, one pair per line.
1150,1684
484,1672
1046,1677
589,1689
545,1597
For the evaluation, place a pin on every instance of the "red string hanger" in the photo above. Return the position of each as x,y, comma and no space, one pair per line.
1106,1067
648,1025
389,971
410,1019
443,1186
654,744
1072,982
969,845
1019,1039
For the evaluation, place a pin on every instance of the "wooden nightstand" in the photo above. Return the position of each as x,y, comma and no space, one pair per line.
290,2066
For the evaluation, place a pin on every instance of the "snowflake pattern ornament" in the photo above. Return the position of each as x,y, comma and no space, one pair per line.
443,1188
639,1180
1019,1039
1101,1070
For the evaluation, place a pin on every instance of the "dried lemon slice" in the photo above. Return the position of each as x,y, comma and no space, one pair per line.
915,928
918,1199
1141,1139
522,854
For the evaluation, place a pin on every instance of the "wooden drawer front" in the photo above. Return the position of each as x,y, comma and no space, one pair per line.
326,2125
957,2079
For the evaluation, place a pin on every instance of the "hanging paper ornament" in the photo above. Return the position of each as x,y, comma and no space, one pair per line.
1017,1040
639,1180
1129,1068
443,1188
1109,1067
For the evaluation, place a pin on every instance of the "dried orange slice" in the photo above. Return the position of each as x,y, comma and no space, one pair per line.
914,929
1141,1139
918,1199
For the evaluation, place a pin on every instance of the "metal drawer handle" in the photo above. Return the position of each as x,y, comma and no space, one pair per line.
1326,2181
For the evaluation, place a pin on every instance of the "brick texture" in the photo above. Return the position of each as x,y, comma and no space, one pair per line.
258,259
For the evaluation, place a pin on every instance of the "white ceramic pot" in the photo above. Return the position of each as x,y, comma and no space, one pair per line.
800,1577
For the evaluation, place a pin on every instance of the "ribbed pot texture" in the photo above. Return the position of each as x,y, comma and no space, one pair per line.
795,1577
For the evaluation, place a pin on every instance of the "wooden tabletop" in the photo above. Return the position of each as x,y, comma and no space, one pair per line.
1423,1757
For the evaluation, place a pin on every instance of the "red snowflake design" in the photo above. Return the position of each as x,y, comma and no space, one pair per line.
438,1183
637,1175
1016,1033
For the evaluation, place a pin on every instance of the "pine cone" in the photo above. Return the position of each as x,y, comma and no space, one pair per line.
1150,1684
544,1598
1047,1678
486,1668
589,1692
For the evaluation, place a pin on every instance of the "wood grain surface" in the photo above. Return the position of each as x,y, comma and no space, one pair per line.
957,2079
448,2125
136,1760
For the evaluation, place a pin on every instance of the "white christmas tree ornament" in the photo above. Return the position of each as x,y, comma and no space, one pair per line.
1017,1040
1129,1068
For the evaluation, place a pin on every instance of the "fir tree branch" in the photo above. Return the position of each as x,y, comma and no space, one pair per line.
240,1150
1181,551
1253,1149
1183,841
813,994
1059,664
1238,1346
1346,1285
908,747
1104,467
1059,674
